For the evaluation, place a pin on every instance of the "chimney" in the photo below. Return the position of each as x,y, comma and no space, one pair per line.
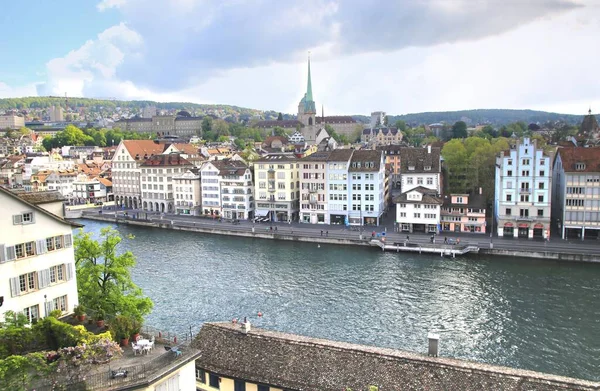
429,149
433,344
246,326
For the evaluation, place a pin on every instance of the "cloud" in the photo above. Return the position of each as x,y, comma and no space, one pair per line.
7,91
107,4
94,62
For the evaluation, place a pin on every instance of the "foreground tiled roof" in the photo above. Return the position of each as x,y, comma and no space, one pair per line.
430,197
172,159
41,197
340,155
590,156
300,363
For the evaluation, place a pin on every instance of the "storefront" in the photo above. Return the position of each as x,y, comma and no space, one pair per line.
538,231
508,230
337,219
523,230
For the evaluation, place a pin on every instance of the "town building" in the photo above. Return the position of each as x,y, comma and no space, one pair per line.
277,187
56,114
420,167
237,190
392,159
241,357
338,204
126,162
37,262
381,136
463,213
366,187
92,190
576,192
187,192
523,191
10,170
313,191
163,125
11,121
157,181
62,181
418,210
377,119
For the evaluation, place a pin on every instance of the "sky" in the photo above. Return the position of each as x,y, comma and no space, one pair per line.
397,56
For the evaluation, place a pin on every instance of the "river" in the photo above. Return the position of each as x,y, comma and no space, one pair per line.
530,314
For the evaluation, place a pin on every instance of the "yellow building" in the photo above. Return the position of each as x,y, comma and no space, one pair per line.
277,187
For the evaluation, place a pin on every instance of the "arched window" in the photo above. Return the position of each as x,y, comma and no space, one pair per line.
310,122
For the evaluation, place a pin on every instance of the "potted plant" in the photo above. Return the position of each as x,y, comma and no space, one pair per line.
121,328
136,327
100,318
79,312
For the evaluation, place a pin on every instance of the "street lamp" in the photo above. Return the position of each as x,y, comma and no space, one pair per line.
45,307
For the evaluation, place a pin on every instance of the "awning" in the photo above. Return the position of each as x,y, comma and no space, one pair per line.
508,225
523,225
538,226
261,212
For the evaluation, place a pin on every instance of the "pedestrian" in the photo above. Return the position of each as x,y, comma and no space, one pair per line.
445,240
275,228
326,233
321,232
407,238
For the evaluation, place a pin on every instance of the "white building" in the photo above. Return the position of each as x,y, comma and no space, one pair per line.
188,193
576,192
37,263
10,121
338,204
48,162
56,114
522,195
377,119
420,167
157,174
128,157
92,190
62,181
227,189
313,188
366,187
418,210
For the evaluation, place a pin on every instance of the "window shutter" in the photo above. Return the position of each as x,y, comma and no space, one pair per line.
48,307
11,254
68,240
2,254
41,281
32,217
41,246
69,271
17,219
14,287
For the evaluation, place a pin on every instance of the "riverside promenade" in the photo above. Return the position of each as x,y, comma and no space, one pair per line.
469,244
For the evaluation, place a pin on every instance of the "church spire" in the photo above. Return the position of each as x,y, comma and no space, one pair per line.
309,84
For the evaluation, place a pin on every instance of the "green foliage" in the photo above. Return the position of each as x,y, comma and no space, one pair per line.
121,327
104,276
72,135
459,130
400,125
17,373
340,138
278,131
79,310
239,143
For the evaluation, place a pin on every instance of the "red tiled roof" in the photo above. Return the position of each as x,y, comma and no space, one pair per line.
138,148
571,156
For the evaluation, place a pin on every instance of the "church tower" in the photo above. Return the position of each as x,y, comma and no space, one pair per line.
306,108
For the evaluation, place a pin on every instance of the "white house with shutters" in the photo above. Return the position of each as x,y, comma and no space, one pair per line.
37,262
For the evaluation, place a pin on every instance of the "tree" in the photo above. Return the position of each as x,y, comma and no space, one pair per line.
220,127
24,131
280,117
459,130
400,125
104,277
239,143
456,163
386,120
489,130
277,131
206,124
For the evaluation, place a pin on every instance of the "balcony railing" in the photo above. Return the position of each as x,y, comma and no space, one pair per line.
524,190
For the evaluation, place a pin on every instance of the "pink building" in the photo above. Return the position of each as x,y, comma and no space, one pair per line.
463,213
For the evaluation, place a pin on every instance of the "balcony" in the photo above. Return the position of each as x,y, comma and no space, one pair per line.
312,190
524,190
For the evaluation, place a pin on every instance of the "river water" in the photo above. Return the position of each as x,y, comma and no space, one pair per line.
538,315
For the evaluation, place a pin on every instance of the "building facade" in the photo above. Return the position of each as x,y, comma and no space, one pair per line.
339,206
418,210
126,162
94,190
157,181
277,187
237,190
381,136
420,167
188,192
523,191
366,187
576,192
37,262
392,160
10,121
313,192
163,125
463,213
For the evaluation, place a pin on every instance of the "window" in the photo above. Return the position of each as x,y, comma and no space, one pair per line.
542,173
57,273
459,200
24,218
509,162
419,181
509,197
409,181
525,161
60,303
508,211
417,215
509,173
525,173
580,166
262,387
540,198
430,181
524,212
541,185
201,375
28,282
524,198
540,212
32,313
239,385
213,380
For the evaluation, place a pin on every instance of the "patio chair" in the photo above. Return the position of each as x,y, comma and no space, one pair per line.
136,348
